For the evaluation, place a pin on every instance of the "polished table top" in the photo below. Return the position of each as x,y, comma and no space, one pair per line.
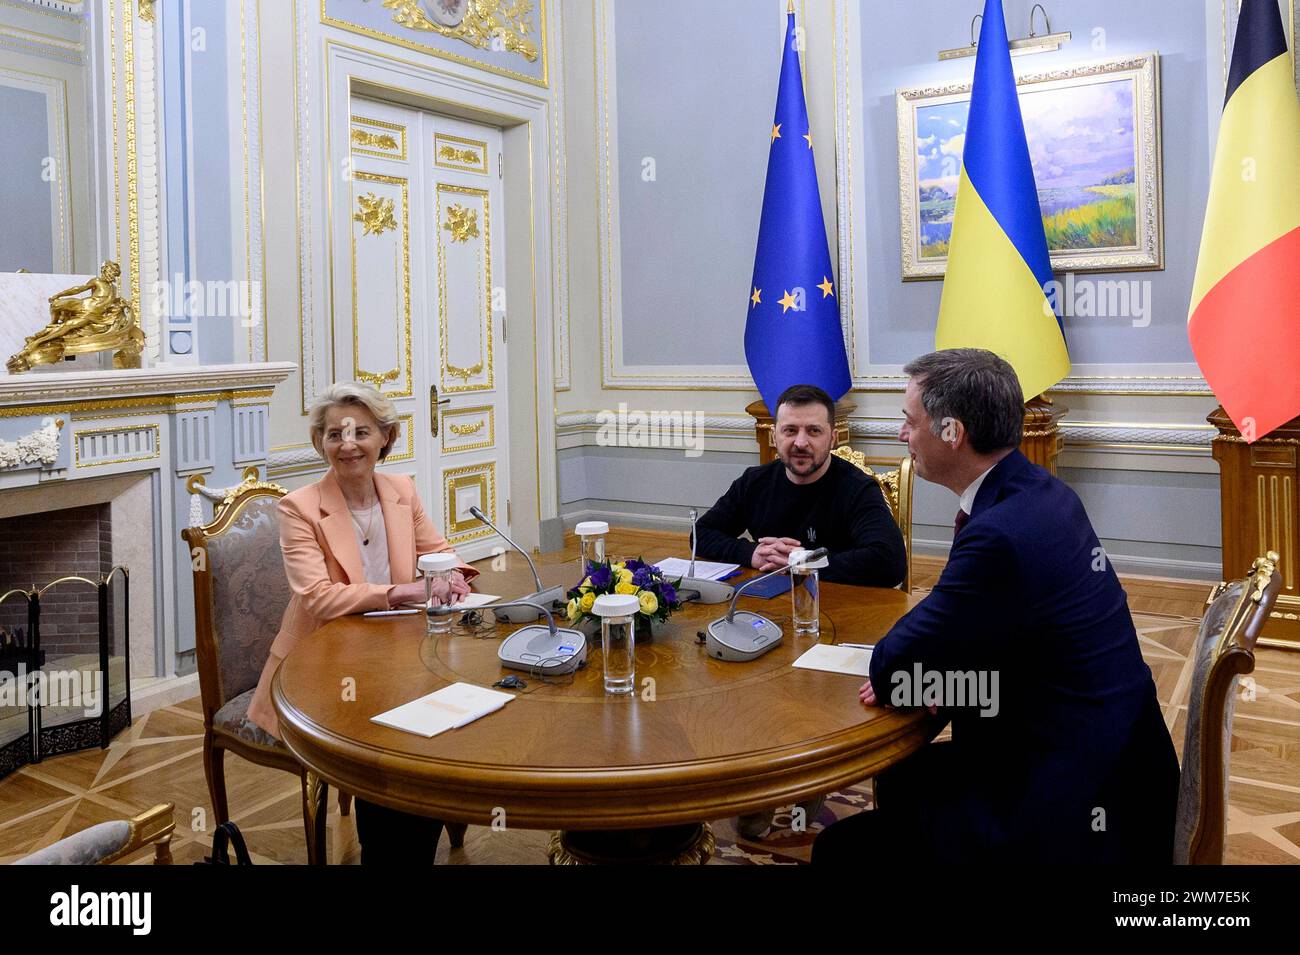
712,739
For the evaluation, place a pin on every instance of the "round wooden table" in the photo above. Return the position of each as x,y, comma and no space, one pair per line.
622,777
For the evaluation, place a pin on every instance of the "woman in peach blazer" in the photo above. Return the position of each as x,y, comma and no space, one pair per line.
350,543
321,560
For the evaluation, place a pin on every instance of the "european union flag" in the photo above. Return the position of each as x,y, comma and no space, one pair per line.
793,334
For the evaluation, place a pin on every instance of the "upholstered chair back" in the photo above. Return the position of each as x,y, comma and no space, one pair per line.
240,590
897,488
1224,650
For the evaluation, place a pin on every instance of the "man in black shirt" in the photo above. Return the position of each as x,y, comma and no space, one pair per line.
807,498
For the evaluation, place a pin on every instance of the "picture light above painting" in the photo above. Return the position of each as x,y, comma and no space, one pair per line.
1094,142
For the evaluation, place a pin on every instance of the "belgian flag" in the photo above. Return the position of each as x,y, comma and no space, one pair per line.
1244,322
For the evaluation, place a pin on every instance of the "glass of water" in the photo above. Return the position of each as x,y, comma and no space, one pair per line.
436,567
591,535
617,614
803,592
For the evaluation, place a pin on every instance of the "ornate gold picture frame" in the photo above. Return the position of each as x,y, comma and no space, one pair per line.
1098,176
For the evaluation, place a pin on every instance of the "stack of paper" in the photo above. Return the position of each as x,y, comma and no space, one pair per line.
837,659
449,708
675,567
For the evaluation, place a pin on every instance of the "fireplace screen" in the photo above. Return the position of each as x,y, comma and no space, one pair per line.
65,671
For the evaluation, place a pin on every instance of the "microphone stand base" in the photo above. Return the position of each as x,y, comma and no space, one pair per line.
528,614
537,651
707,591
747,636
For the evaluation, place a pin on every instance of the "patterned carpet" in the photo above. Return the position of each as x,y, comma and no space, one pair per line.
159,759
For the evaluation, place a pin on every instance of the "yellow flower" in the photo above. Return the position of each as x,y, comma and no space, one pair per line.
573,609
624,577
587,600
649,602
626,588
620,566
585,585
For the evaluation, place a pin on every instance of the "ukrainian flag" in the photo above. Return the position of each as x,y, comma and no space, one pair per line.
995,290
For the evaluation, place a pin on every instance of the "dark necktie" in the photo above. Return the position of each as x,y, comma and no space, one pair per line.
959,523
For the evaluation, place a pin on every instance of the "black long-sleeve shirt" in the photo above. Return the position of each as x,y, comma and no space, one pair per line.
844,511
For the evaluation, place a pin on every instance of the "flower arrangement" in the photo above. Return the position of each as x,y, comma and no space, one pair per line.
657,596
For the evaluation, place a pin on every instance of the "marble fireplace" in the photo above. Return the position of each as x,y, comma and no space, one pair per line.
120,445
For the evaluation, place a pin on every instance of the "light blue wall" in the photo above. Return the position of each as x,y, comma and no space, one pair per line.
698,99
213,176
1150,522
176,105
27,240
698,102
897,53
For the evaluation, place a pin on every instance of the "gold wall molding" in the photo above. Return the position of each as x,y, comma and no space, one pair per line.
458,224
456,152
407,431
461,222
484,21
362,137
614,375
485,9
472,421
127,433
375,214
382,209
383,139
456,480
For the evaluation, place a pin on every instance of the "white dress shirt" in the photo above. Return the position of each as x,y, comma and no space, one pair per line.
968,496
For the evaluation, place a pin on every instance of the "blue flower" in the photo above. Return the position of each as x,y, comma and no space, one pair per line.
600,577
668,593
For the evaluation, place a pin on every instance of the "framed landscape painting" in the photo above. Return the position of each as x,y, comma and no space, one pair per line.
1094,142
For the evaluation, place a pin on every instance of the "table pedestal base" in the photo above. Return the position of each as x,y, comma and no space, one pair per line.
668,845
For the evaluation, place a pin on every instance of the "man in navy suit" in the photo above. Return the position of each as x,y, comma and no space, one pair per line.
1059,751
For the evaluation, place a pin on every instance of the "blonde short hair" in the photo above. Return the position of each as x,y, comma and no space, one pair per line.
352,393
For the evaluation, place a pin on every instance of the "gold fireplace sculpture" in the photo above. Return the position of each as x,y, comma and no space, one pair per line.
78,326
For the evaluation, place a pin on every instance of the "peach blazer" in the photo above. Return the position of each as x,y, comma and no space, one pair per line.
323,563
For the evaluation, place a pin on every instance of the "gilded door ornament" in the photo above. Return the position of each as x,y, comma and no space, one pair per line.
505,21
101,321
467,429
362,137
375,214
469,157
462,223
464,374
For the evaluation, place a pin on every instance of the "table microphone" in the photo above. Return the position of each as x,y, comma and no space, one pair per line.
746,635
523,609
540,650
697,588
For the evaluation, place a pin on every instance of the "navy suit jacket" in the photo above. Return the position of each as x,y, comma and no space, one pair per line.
1077,764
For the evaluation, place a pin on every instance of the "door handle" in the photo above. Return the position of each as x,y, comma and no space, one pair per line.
434,402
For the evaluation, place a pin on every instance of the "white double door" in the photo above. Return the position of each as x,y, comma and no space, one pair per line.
418,231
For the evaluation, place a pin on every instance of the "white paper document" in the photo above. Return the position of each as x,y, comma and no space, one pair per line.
836,659
468,602
472,600
449,708
675,567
